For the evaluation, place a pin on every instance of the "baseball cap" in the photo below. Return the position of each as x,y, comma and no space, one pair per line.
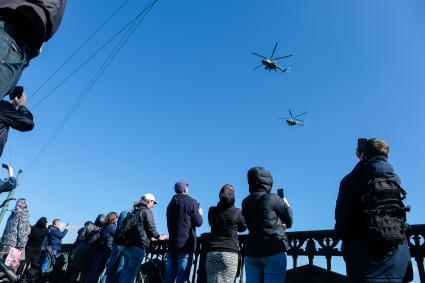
149,196
180,186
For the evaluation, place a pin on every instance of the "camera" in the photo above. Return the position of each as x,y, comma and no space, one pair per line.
361,145
281,193
16,92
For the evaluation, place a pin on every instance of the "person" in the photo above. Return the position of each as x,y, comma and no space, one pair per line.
53,260
138,238
267,216
103,247
367,260
116,262
15,234
223,248
33,248
14,114
82,256
24,26
183,216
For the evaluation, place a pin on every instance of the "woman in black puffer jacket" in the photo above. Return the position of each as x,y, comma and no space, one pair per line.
267,217
226,221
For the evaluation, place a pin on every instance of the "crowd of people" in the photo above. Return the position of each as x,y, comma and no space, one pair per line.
114,246
370,215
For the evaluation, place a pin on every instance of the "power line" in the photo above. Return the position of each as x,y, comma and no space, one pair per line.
79,48
93,81
135,19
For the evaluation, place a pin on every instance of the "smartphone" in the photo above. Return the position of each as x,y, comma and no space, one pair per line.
16,92
281,193
361,145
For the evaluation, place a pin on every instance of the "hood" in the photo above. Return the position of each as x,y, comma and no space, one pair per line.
100,220
41,223
259,179
141,204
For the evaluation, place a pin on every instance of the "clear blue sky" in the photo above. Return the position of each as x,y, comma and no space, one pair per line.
181,100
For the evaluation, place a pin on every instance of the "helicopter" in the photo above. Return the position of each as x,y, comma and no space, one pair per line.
293,121
271,63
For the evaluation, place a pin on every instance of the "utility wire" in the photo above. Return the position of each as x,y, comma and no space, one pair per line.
93,81
79,48
135,19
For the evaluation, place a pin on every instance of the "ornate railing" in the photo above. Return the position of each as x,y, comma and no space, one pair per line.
310,244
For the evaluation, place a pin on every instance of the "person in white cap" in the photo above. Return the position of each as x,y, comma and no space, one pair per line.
138,237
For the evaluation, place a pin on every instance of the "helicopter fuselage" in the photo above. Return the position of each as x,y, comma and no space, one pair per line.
294,122
269,64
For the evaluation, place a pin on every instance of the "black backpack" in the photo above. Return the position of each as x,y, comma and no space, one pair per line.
383,212
126,233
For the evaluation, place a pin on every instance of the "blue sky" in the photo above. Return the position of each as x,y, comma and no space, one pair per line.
181,100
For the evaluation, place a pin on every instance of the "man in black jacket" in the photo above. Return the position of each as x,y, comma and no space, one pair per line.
14,114
141,236
183,216
24,26
366,260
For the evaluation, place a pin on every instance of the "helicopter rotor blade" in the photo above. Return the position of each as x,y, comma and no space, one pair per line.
274,49
257,67
290,113
278,58
281,118
300,114
259,55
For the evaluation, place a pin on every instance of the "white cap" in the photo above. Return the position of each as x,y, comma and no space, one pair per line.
150,197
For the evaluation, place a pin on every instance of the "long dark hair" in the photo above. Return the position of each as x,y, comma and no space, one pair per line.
227,197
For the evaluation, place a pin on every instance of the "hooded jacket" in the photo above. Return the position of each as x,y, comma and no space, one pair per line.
35,21
17,229
265,215
365,261
35,240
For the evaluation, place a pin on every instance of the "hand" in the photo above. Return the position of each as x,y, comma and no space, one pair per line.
200,211
285,201
67,227
163,237
10,171
21,101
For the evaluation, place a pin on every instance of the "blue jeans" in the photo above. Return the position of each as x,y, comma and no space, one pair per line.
97,265
133,259
268,269
114,265
178,267
13,60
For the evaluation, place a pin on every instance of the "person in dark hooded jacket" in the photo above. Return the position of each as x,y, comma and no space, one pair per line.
223,253
35,240
365,260
267,216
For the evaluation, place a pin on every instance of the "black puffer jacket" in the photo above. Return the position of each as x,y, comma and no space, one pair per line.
265,215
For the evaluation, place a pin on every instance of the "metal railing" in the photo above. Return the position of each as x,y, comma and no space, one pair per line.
310,244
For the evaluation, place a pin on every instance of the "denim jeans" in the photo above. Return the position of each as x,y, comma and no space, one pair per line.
97,265
12,61
268,269
178,267
133,259
114,265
